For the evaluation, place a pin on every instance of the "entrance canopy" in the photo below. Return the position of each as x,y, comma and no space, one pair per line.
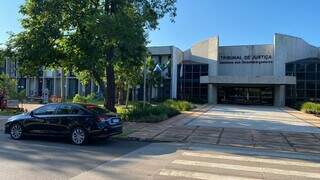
276,80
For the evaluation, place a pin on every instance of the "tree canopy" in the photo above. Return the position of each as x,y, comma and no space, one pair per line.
89,36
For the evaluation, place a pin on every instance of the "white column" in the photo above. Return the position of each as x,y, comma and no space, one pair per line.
67,86
43,81
27,86
55,83
212,94
279,95
175,58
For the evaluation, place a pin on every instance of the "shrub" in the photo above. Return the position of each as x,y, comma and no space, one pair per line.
150,113
79,99
178,105
310,107
91,98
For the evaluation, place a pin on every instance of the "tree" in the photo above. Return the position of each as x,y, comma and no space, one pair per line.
8,86
93,36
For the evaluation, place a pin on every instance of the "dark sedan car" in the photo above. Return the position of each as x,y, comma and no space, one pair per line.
77,121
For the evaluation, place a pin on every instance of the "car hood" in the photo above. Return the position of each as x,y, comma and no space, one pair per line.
19,116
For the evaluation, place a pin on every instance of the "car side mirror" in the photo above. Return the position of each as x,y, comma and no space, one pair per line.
31,114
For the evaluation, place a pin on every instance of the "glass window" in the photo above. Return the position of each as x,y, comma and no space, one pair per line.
300,67
204,68
188,75
300,93
289,67
196,76
311,68
69,109
311,93
196,68
310,85
311,76
188,68
46,110
301,76
300,84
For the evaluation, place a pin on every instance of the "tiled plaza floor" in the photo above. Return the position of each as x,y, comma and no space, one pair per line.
179,129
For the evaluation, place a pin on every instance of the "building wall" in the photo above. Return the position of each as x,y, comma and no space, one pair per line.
247,60
288,48
205,52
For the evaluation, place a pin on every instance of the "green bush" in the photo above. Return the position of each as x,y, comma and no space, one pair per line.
150,113
79,99
310,107
91,98
178,105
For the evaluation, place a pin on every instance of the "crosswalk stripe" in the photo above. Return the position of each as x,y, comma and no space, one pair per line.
199,175
252,159
247,168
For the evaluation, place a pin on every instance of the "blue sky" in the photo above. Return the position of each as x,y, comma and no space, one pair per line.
235,21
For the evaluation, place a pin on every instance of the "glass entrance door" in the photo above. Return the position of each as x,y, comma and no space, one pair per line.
245,95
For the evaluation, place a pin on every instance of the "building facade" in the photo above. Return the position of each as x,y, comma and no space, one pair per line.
276,74
284,72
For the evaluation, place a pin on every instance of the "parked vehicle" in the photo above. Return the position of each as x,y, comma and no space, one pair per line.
79,122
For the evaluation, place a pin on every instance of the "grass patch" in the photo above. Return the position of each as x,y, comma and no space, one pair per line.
10,112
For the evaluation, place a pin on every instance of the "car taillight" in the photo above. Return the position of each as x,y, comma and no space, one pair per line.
101,118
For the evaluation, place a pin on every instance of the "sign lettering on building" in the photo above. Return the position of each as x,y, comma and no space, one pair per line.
248,59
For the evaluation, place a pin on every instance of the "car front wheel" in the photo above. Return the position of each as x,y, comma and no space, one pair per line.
79,136
16,131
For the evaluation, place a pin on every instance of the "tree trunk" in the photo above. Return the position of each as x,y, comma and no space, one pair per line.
102,87
111,88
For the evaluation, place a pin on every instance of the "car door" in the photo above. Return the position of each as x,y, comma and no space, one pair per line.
68,114
38,123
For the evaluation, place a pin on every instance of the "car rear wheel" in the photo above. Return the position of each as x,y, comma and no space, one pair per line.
16,131
79,136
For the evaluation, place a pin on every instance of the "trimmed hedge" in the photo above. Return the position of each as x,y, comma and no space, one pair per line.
90,98
178,105
152,113
310,107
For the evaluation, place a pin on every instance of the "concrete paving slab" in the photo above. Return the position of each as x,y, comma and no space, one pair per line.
207,133
274,147
300,141
202,139
252,117
307,149
236,142
298,135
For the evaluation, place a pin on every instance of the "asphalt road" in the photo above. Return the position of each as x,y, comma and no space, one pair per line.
171,161
43,158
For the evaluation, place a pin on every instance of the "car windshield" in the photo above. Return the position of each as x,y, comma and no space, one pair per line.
96,110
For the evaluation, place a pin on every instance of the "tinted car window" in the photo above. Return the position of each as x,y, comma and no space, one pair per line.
69,109
46,110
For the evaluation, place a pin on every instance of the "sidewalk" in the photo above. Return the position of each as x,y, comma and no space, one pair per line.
309,118
176,130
